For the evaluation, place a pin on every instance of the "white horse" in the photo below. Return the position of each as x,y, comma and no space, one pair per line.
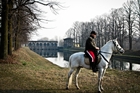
76,62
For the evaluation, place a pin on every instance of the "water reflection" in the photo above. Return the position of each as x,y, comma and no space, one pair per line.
67,55
61,59
55,57
122,65
46,53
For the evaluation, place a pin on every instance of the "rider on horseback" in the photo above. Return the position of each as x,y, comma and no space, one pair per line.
91,50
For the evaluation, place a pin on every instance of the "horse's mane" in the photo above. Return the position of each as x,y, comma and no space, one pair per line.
106,43
109,41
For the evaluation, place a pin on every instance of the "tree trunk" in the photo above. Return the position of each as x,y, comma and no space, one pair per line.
16,42
130,34
130,40
4,28
10,28
10,38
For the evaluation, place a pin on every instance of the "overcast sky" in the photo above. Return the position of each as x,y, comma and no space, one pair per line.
76,10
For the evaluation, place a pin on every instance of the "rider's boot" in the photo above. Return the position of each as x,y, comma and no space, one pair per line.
94,67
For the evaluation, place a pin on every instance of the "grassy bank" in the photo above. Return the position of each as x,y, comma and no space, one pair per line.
27,72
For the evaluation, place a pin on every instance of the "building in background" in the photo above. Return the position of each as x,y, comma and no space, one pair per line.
68,43
44,48
42,45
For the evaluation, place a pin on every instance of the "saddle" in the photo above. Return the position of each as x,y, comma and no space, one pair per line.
87,61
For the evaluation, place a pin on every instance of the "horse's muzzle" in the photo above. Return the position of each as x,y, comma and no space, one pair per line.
122,51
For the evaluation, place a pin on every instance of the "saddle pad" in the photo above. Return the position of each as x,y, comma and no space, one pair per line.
86,61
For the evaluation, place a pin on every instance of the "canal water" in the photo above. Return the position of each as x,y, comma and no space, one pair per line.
61,59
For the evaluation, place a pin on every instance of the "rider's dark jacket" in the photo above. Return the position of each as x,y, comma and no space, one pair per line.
90,44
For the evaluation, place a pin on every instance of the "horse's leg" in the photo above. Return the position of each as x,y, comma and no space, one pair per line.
100,73
76,78
69,78
102,79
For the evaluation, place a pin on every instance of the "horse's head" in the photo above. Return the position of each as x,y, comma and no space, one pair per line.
117,47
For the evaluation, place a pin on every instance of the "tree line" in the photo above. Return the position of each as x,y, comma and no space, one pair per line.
19,18
122,23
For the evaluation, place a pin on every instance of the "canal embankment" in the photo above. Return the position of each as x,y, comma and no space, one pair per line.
27,72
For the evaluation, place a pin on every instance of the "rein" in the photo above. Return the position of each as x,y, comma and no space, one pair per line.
100,52
104,52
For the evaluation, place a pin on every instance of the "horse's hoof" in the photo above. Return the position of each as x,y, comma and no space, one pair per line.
67,88
99,92
78,88
102,89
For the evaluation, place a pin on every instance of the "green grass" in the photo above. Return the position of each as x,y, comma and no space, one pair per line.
31,73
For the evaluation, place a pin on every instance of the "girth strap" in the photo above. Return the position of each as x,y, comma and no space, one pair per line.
103,57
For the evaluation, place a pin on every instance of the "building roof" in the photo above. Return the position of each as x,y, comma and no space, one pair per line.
68,38
42,41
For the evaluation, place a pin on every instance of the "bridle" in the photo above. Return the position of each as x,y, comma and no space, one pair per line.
118,49
100,52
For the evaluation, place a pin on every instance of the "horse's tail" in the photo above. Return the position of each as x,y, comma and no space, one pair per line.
70,75
70,79
70,61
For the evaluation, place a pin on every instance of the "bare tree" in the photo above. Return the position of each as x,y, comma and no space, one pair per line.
129,17
69,33
4,29
136,11
19,18
84,34
123,23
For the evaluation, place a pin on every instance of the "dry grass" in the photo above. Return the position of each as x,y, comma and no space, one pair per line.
32,73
